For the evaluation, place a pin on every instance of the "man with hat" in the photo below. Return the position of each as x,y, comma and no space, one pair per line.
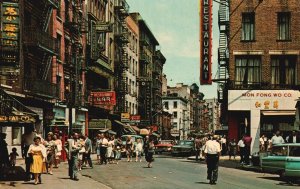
212,152
72,147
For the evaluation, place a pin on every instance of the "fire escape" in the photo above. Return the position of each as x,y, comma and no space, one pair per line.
223,53
76,27
45,20
121,37
40,47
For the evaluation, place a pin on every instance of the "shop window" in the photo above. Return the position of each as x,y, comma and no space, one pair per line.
247,70
284,25
16,135
283,70
248,29
175,125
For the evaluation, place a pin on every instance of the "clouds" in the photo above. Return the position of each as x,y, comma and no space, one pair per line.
175,24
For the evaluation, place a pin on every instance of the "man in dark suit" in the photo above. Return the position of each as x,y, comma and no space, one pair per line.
294,138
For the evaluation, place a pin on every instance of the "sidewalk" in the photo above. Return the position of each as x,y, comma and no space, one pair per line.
233,163
59,180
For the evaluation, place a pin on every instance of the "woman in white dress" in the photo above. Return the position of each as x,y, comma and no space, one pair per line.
138,150
81,152
58,150
110,153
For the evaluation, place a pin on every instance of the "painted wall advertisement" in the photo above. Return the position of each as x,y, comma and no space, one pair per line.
205,42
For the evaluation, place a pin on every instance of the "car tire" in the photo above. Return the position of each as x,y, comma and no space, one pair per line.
282,174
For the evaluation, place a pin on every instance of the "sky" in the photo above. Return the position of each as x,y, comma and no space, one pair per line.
175,24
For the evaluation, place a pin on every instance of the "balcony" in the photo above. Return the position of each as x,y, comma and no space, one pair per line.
144,58
121,6
143,42
40,87
34,38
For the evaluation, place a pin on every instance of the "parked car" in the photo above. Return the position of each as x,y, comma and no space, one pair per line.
134,139
163,146
284,160
184,148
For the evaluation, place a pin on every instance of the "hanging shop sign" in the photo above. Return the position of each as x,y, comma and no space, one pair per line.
17,119
103,98
9,37
205,42
125,117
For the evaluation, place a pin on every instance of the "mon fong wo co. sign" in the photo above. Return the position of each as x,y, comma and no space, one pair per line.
205,41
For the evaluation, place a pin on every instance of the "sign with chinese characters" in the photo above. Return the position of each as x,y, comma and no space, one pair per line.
205,42
9,36
262,99
10,23
103,98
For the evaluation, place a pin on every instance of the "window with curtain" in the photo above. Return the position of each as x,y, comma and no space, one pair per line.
248,26
247,70
283,70
284,28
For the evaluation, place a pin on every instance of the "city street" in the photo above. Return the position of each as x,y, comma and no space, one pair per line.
174,173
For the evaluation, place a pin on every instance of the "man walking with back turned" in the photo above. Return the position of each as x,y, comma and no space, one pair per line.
212,153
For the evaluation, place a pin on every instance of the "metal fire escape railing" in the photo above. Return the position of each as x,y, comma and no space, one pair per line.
46,16
121,36
223,53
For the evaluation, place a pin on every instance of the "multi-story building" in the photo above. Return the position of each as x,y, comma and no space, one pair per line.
157,77
147,48
213,114
28,90
69,28
133,67
263,68
120,52
184,91
178,107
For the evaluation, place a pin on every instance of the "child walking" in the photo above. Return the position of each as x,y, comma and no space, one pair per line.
13,157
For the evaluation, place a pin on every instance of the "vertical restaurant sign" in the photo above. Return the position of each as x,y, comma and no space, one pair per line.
10,24
205,42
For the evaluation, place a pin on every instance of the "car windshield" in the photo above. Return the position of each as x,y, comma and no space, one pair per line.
294,151
279,150
183,142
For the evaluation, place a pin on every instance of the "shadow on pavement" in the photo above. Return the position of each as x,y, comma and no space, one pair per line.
283,182
16,173
202,182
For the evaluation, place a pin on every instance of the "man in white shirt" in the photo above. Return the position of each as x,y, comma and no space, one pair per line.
241,149
103,149
212,153
277,139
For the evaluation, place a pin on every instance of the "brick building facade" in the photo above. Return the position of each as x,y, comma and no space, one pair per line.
263,67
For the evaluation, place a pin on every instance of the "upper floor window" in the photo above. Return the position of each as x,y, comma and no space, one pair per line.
284,25
166,104
247,70
248,29
283,70
175,114
175,104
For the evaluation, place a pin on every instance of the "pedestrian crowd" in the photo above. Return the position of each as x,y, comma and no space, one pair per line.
43,155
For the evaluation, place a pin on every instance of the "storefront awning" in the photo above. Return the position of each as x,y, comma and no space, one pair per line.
128,127
279,113
144,132
99,124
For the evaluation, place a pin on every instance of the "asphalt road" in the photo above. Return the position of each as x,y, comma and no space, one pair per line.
171,173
